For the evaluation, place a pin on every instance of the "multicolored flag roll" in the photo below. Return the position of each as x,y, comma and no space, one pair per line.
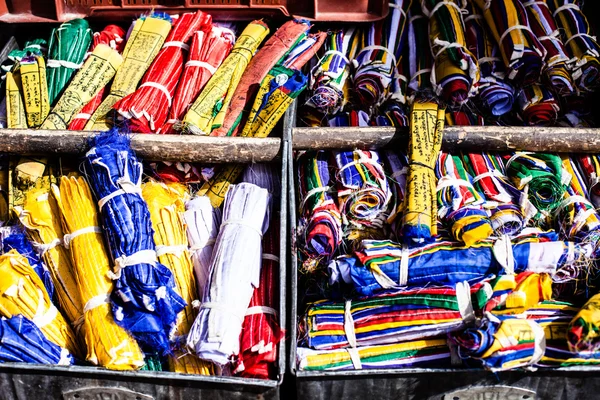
538,105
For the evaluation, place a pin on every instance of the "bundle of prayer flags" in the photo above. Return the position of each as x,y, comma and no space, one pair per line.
584,329
538,105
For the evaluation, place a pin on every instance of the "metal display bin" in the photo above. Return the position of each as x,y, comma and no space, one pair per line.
432,384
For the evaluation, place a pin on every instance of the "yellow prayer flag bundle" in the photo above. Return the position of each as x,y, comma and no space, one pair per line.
166,205
41,218
23,292
35,89
96,73
15,110
107,343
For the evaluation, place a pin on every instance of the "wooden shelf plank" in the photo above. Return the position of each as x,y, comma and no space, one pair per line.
482,138
185,148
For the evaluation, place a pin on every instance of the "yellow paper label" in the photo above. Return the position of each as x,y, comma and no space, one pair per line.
15,111
217,187
35,91
142,47
96,73
208,111
276,106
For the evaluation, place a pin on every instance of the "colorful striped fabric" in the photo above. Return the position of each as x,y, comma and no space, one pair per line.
589,167
460,205
416,354
420,57
521,51
515,294
579,42
363,190
577,217
455,67
584,329
321,223
384,265
501,343
390,318
537,105
329,86
494,93
554,317
464,117
557,71
377,60
396,169
392,114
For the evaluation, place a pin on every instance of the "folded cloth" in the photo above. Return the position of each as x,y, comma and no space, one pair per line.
433,353
392,317
584,329
517,293
383,265
22,341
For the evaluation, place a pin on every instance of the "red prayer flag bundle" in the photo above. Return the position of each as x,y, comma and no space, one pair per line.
209,49
261,332
113,36
147,108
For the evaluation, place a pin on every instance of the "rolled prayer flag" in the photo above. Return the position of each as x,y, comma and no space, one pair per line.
521,51
215,335
420,57
460,205
557,70
455,71
502,343
208,111
420,219
148,107
589,167
320,224
107,344
583,332
15,110
94,75
396,170
145,41
515,294
579,41
22,341
35,89
114,37
40,215
166,206
203,222
538,105
144,298
432,353
23,293
208,50
383,265
278,45
67,49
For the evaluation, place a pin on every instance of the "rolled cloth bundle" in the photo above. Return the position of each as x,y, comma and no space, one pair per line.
208,111
35,89
396,170
108,344
144,298
166,206
215,335
541,176
377,61
460,205
382,264
363,190
23,293
416,354
420,58
67,49
329,79
392,317
277,46
579,41
557,71
320,225
114,37
208,50
41,217
22,341
145,40
538,105
420,219
502,343
589,167
522,53
494,93
455,68
584,329
148,107
203,222
516,293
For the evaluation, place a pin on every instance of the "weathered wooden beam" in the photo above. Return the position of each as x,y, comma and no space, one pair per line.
483,138
185,148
